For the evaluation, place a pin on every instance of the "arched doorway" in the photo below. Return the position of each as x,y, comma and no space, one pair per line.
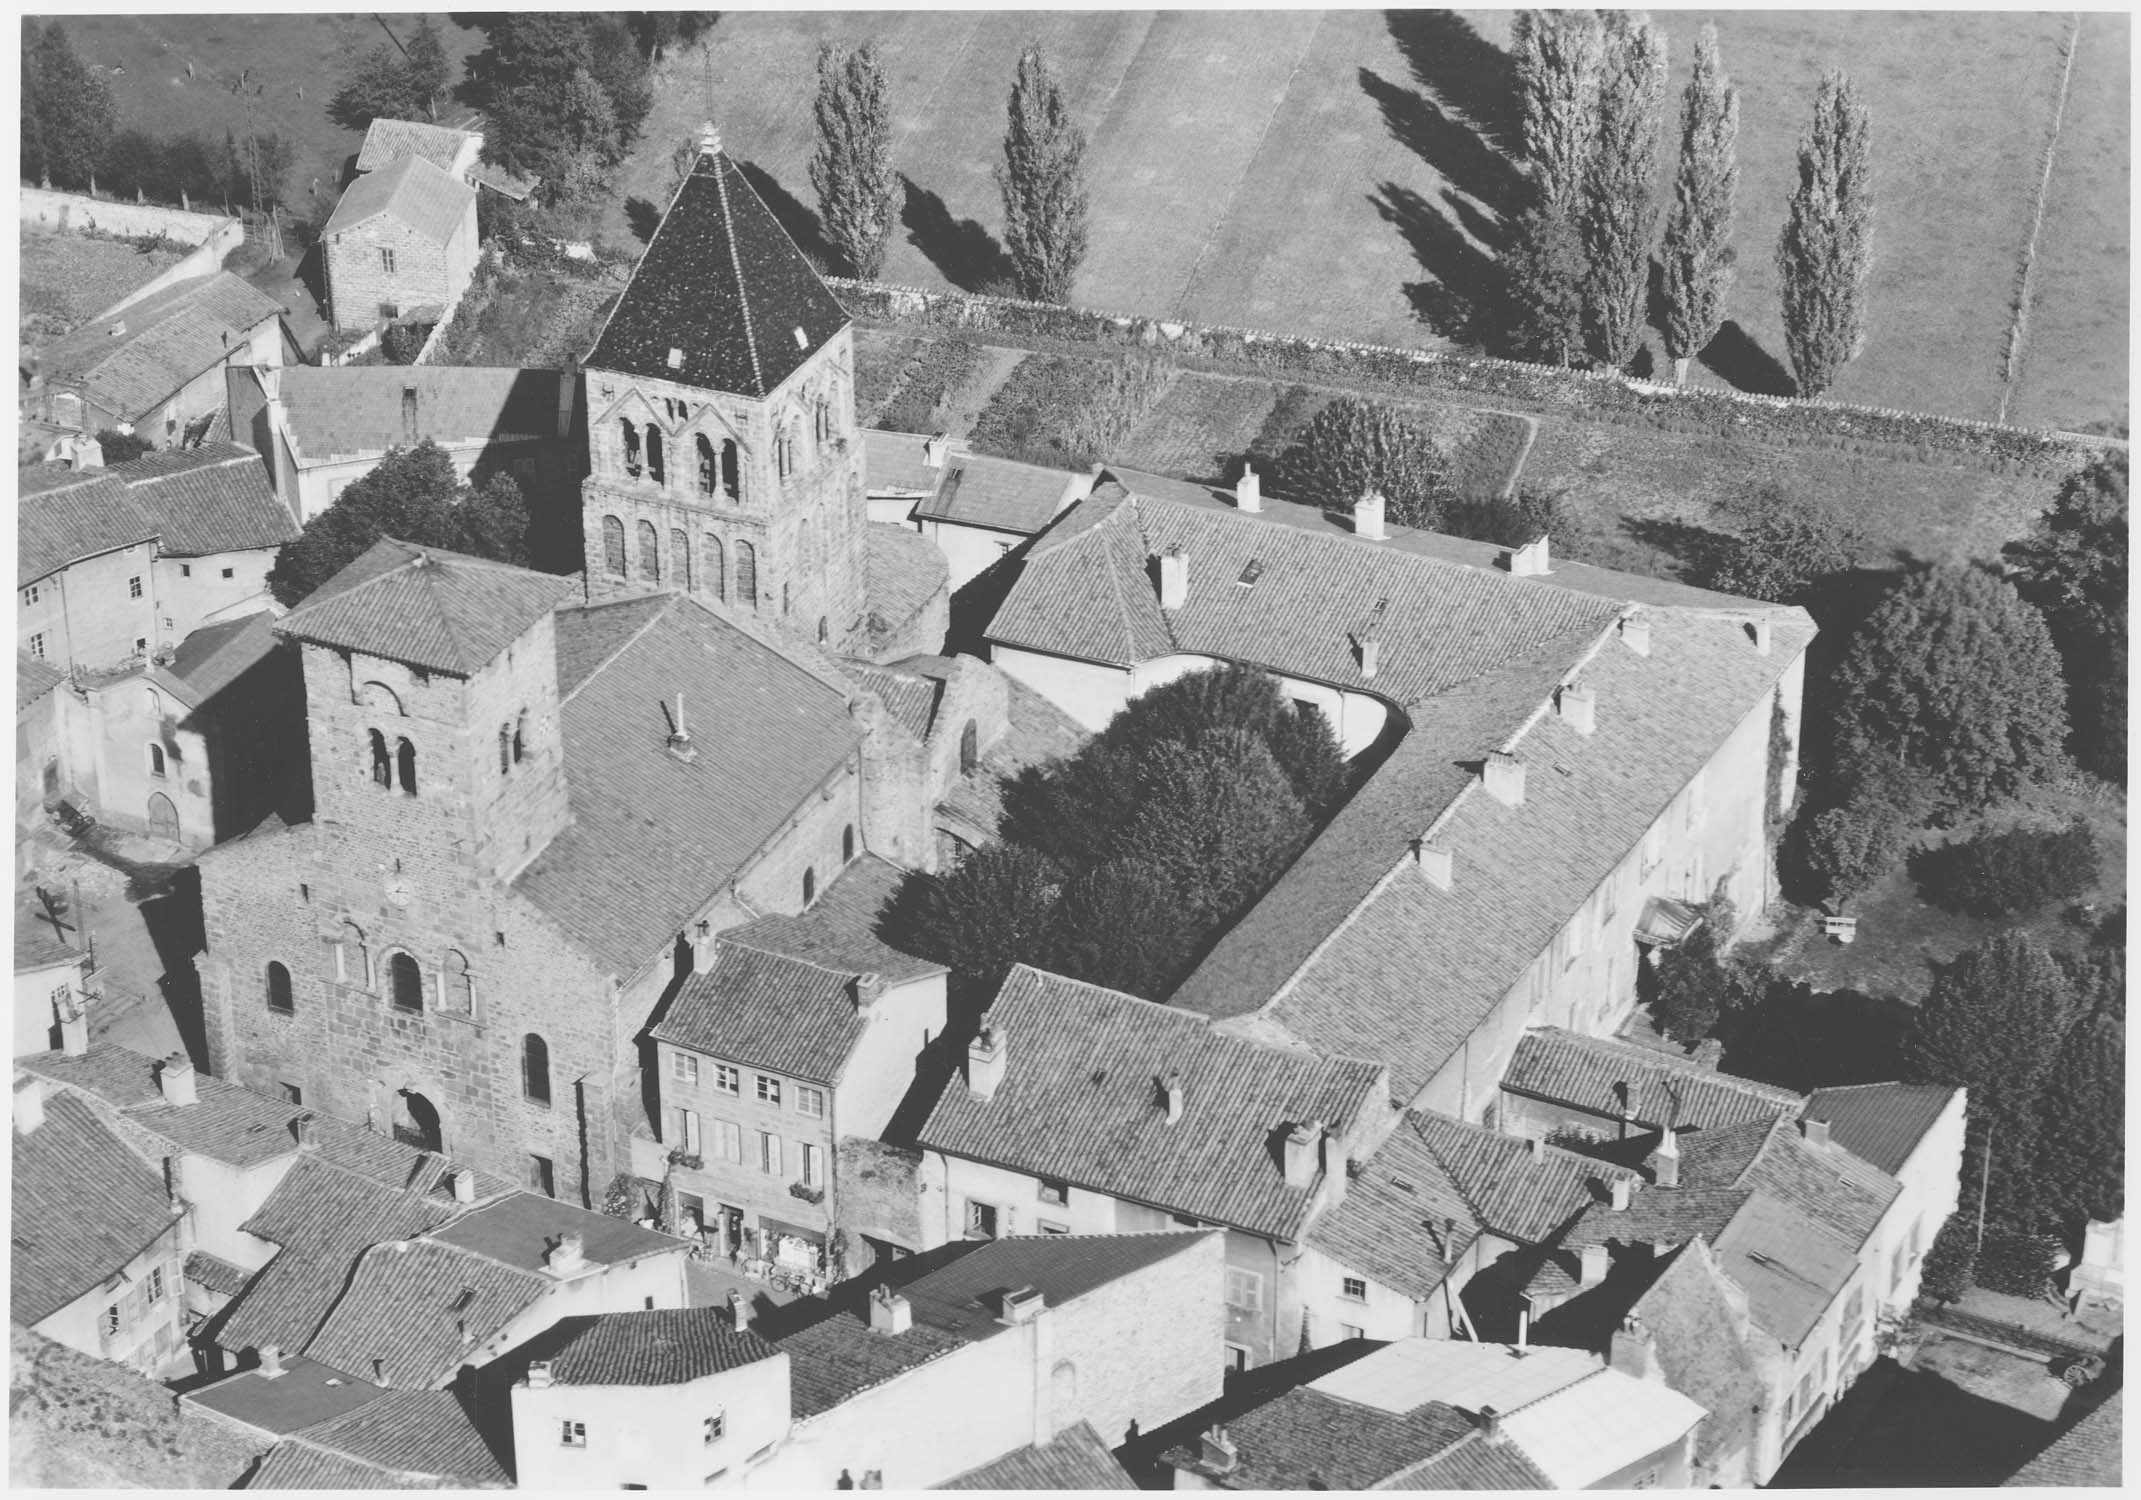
417,1122
163,818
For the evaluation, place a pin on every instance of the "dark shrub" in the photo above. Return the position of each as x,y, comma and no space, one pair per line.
2014,873
1951,1262
2020,1265
1519,519
121,447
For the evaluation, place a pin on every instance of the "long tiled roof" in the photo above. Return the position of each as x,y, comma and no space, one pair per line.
904,571
1079,1103
343,411
411,189
1518,1189
388,141
1402,1223
723,288
840,931
219,502
298,1465
438,610
426,1433
62,526
83,1206
1306,1439
34,678
1000,494
1074,1459
2085,1455
767,733
765,1011
134,359
407,1304
1881,1123
666,1346
1597,1074
520,1228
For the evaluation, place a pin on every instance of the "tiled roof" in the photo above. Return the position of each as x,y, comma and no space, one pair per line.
387,141
297,1465
1000,494
39,944
667,1346
133,360
1074,1459
904,571
723,287
1880,1123
215,1274
767,731
426,1433
1402,1223
898,461
220,503
438,610
215,656
341,411
164,463
840,931
64,526
1079,1103
1662,1088
1701,1346
83,1204
407,1305
411,189
1521,1190
304,1393
766,1011
1305,1439
909,697
520,1227
836,1356
2085,1455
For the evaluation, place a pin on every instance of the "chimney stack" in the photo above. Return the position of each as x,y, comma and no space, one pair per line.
379,1374
1171,1090
1631,1351
1758,628
936,449
1816,1131
271,1362
74,1027
539,1376
176,1082
890,1313
1490,1424
702,949
1594,1265
1537,1148
1019,1305
1503,775
1622,1193
464,1185
1530,560
1249,491
1579,707
1635,633
307,1130
1665,1161
869,989
1370,647
985,1063
739,1310
680,744
1302,1148
1368,517
567,1257
1436,863
1174,577
29,1105
1216,1451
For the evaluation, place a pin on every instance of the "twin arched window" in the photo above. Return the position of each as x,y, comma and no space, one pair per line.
535,1069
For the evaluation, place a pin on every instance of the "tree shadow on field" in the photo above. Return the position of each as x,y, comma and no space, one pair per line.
967,255
1735,358
1697,549
1461,68
1461,298
1449,145
793,215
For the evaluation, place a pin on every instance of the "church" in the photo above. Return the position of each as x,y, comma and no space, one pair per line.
536,796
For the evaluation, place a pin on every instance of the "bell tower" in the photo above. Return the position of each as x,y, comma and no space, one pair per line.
724,456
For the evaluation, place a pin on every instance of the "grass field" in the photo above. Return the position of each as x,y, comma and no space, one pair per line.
66,279
1337,173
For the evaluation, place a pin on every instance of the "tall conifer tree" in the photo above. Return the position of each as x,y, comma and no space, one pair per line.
852,170
1826,252
1559,55
1042,178
1620,208
1698,231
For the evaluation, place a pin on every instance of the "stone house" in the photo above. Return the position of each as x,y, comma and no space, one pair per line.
459,153
400,238
963,1356
1087,1111
977,508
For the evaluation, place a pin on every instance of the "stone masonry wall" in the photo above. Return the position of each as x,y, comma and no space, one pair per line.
358,280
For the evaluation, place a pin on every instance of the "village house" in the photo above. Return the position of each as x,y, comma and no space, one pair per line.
962,1357
43,722
974,506
331,1433
1087,1111
1426,1415
52,969
456,152
155,367
401,238
1569,1087
793,1034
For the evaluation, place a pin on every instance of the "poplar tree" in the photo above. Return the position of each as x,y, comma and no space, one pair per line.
1620,209
1558,55
1826,252
852,170
75,117
1042,178
1698,231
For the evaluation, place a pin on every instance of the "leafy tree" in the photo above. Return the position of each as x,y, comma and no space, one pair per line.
1698,983
1559,57
1849,848
414,496
2074,567
1351,447
1042,178
1951,1262
1698,256
1216,820
122,447
852,170
1199,706
995,908
1121,926
614,61
1520,519
2017,1264
657,31
1785,544
32,138
1955,675
2015,872
1542,278
379,86
565,94
1826,252
1620,211
426,67
75,117
2081,1139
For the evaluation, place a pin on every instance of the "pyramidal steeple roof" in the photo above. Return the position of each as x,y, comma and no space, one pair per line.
438,610
722,300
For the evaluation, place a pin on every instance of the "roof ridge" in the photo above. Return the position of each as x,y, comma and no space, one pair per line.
1144,535
743,294
808,963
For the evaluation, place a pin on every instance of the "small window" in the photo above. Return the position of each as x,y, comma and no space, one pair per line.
1351,1331
156,760
280,999
230,572
382,762
133,587
981,1220
505,750
37,645
386,260
613,543
574,1435
824,631
153,1285
1057,1193
185,570
407,980
155,703
684,1131
769,1153
684,1068
30,595
112,1321
969,749
292,1094
810,886
1354,1289
717,1427
520,737
650,553
810,1101
728,1078
542,1176
1050,1226
535,1069
405,758
769,1089
1245,1290
847,844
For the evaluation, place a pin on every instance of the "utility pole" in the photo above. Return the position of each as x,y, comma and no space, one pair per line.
1984,1186
249,92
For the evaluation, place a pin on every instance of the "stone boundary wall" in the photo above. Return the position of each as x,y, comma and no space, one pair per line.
213,236
1602,395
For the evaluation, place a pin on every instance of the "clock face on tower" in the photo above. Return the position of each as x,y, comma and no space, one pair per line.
397,891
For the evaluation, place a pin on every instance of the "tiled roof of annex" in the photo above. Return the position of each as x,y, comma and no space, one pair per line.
722,300
1074,1459
219,500
215,656
1881,1123
388,141
134,359
969,489
82,1206
1080,1103
345,412
397,1440
433,609
664,1346
1602,1076
432,202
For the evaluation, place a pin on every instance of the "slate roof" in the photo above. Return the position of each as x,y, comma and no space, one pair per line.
59,527
412,1432
411,189
221,501
768,733
83,1206
1079,1103
1074,1459
406,1303
215,656
839,932
1880,1123
345,411
1662,1088
438,610
388,141
723,284
518,1228
2085,1455
666,1346
134,359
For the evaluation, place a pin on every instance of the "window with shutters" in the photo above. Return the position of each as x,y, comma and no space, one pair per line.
728,1141
1245,1290
982,1220
769,1153
813,1166
684,1068
684,1131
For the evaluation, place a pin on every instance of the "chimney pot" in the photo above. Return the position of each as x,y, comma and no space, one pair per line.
1665,1161
1503,775
1436,863
1368,516
540,1377
567,1257
1594,1265
29,1105
890,1313
1815,1131
74,1027
175,1081
986,1060
1759,628
1622,1194
1579,707
306,1127
1490,1424
869,989
1635,633
1538,1148
739,1310
1174,578
1529,560
271,1362
1302,1148
936,449
1171,1088
1249,491
464,1186
1217,1452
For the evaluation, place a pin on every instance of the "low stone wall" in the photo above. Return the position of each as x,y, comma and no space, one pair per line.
57,210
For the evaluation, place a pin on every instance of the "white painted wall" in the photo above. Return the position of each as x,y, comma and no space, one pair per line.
37,995
970,550
650,1436
881,1068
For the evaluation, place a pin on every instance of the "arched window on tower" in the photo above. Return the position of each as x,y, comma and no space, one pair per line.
708,466
613,546
281,1000
731,471
784,452
803,540
810,886
353,960
631,446
716,563
156,759
824,420
969,749
747,575
535,1069
680,558
650,553
405,982
520,738
655,471
382,762
405,756
457,987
